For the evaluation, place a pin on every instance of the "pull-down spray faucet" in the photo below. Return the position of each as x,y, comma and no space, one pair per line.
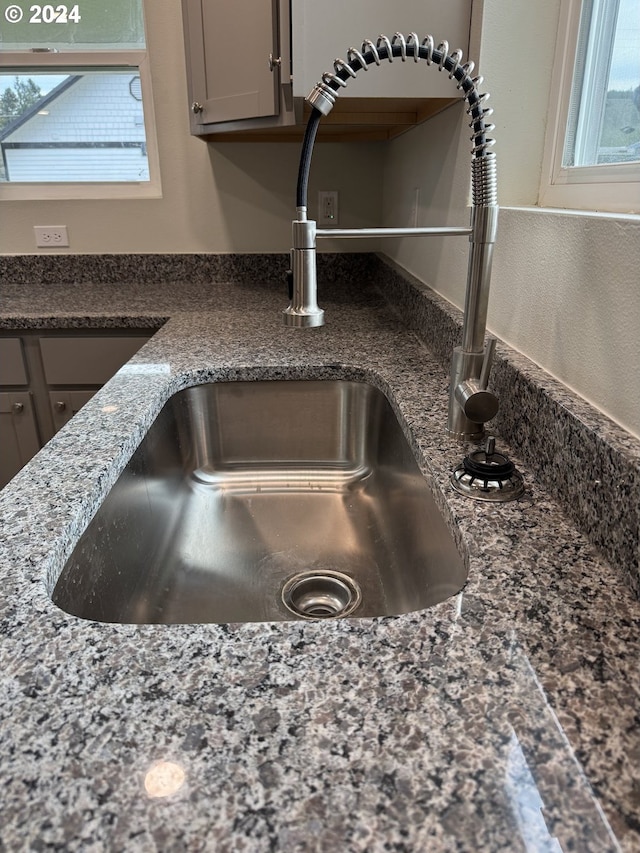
470,404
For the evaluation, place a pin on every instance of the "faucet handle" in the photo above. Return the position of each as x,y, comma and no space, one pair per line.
487,361
478,404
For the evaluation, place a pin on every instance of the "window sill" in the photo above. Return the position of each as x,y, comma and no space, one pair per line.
87,191
631,218
617,197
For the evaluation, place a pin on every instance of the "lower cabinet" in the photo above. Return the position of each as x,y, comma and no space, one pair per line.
46,377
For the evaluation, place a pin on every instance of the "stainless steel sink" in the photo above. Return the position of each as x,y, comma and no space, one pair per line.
265,501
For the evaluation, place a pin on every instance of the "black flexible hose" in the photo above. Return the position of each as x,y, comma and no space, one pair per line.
305,157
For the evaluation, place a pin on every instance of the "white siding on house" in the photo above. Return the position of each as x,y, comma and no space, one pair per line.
99,109
84,164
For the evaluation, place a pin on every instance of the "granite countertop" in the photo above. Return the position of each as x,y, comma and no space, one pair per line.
505,718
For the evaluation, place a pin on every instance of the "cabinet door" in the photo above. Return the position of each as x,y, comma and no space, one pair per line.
65,404
12,366
228,44
18,433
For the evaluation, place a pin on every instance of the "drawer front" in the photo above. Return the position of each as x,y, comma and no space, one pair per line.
86,361
13,370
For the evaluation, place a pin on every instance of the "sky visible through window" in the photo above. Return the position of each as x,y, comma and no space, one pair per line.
44,82
625,62
603,121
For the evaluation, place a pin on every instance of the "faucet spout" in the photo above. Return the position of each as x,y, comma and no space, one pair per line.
471,404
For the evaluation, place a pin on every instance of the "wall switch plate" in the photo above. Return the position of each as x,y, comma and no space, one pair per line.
51,235
328,207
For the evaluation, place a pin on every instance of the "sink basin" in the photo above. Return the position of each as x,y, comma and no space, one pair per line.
265,501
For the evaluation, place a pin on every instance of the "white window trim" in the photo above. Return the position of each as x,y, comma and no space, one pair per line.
612,188
90,60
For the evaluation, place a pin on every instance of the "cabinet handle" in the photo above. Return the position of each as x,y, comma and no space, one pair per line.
274,63
18,408
196,107
59,406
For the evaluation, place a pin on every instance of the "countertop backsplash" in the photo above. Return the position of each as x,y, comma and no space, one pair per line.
196,268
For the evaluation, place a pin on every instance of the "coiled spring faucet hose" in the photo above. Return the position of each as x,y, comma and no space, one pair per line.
324,94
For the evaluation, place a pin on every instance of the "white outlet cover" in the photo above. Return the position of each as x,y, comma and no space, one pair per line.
51,236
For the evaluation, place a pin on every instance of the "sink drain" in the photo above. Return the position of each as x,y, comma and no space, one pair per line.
321,595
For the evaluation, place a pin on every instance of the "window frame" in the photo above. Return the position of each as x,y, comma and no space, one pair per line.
611,188
98,59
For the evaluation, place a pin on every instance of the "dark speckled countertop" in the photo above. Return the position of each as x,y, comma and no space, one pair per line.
504,719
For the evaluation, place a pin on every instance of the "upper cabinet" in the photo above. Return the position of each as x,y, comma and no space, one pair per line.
251,64
234,60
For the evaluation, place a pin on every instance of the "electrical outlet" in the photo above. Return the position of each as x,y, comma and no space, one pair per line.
328,207
51,235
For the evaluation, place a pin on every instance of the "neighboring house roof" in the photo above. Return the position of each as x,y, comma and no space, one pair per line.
39,105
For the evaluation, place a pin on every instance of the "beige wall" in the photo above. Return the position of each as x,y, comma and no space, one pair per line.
216,198
565,285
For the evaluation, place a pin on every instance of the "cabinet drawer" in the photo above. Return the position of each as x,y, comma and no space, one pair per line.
86,361
12,366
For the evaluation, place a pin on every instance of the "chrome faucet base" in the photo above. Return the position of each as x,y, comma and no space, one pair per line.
299,319
303,311
463,437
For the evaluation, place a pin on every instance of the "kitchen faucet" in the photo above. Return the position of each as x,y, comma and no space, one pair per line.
470,403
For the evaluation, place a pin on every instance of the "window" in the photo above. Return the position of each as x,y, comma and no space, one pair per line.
76,113
592,156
